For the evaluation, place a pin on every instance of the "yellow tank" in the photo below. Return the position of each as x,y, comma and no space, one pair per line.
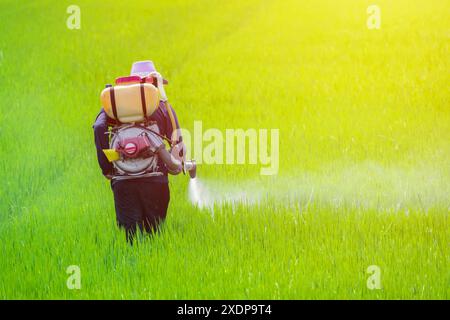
127,100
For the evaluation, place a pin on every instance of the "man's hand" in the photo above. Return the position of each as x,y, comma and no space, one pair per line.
178,151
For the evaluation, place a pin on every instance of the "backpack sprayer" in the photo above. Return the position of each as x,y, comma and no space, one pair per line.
136,142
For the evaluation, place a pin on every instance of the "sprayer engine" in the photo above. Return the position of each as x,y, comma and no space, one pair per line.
133,145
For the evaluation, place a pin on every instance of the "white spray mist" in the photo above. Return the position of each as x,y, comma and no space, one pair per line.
198,194
194,194
366,184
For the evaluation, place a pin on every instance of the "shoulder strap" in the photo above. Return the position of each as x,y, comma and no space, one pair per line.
113,103
144,104
174,133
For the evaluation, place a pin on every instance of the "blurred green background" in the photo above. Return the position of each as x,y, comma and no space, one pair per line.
364,146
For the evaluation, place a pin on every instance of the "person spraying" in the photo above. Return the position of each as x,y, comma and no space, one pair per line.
129,133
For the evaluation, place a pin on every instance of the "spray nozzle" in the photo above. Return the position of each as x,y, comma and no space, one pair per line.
191,167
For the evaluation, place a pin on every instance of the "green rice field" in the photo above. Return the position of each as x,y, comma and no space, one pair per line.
364,145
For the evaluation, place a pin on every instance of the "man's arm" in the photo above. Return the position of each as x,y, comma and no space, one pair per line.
173,132
169,128
101,142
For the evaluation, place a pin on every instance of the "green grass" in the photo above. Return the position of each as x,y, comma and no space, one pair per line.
364,172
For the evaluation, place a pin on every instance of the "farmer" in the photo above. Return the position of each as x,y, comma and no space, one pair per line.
140,201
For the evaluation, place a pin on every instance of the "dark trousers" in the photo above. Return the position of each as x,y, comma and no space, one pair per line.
140,203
